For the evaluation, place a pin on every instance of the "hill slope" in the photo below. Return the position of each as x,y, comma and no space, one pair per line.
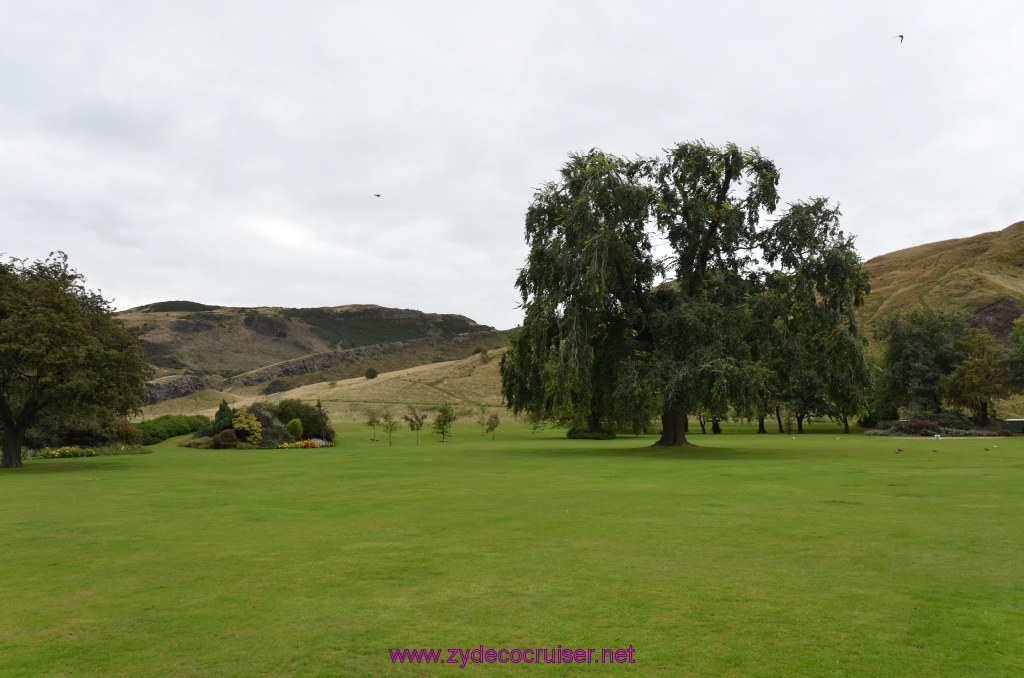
227,341
983,274
464,383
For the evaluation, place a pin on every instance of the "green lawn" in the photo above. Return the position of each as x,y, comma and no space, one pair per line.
752,556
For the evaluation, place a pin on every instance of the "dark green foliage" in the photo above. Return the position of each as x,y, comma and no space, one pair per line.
63,354
274,432
267,325
170,425
294,427
174,306
167,362
79,429
275,386
315,423
371,373
221,420
921,347
584,434
583,287
354,327
444,420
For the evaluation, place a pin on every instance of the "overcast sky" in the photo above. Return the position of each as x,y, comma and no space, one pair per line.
229,152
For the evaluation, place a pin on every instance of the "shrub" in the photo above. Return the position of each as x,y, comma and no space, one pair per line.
226,439
170,425
65,452
221,421
295,428
247,427
917,427
315,423
126,433
948,419
273,431
275,386
371,373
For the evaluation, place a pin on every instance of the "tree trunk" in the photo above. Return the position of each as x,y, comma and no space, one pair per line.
760,424
846,424
799,423
778,418
715,427
673,428
703,425
12,449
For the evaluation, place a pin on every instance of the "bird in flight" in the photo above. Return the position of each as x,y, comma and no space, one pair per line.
900,36
376,195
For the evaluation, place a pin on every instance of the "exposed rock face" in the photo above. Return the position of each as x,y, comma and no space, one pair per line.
998,317
176,387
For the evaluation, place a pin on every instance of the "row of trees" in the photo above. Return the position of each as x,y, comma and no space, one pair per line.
758,315
442,425
935,360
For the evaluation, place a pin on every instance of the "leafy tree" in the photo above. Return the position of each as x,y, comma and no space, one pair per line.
493,421
583,288
443,421
709,202
819,272
922,345
371,373
415,420
294,427
222,419
373,420
482,418
389,424
980,377
62,352
599,346
247,427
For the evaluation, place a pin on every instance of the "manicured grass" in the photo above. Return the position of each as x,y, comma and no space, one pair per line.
752,556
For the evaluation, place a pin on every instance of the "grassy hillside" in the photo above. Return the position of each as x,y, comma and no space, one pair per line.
464,383
225,341
983,274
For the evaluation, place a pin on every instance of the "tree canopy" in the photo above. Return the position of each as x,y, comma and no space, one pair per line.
751,317
62,352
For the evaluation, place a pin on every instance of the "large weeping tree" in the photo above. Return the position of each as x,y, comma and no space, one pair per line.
752,317
62,352
709,203
584,289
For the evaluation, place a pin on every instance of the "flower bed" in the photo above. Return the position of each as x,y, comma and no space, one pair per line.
306,444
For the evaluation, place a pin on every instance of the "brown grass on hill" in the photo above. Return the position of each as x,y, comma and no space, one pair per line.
465,384
966,273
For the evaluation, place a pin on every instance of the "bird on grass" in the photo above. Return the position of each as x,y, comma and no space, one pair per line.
898,450
986,449
934,450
